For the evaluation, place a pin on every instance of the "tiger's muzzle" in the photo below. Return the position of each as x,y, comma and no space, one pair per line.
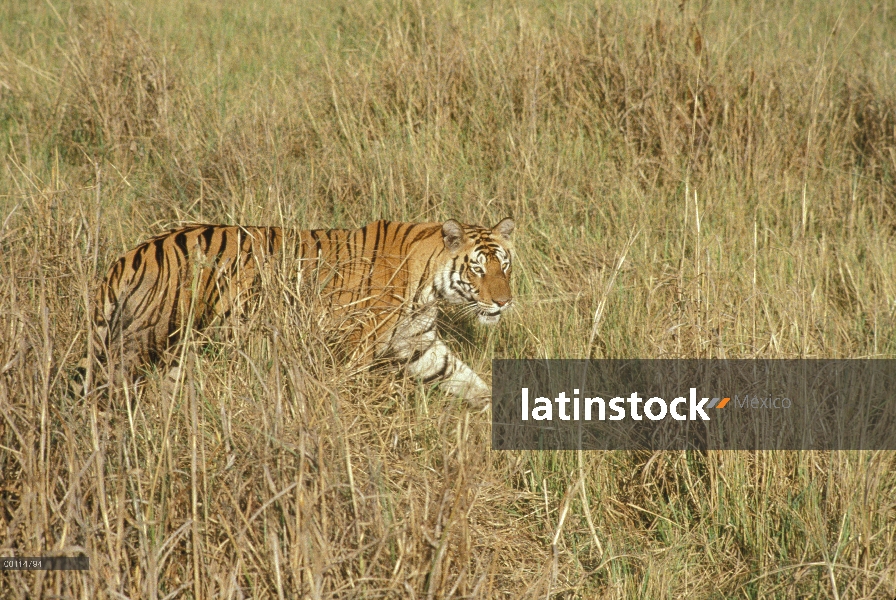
494,297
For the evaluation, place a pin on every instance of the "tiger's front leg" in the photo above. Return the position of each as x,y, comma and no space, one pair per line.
438,363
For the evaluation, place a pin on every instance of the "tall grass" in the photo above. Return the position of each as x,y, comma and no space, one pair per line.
689,179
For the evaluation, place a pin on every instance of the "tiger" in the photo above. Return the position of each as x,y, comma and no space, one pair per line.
387,278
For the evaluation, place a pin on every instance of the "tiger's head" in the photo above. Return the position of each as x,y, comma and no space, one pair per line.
478,272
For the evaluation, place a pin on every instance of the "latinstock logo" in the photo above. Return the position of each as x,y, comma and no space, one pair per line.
620,407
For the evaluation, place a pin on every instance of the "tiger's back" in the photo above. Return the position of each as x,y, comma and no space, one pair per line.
184,277
384,279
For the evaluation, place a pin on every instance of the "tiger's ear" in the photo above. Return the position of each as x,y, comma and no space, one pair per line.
453,235
504,228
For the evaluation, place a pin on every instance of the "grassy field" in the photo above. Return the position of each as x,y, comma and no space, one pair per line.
689,179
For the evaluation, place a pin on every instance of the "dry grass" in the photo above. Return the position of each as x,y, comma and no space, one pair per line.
741,156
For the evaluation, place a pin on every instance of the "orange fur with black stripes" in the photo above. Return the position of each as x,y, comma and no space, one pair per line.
386,278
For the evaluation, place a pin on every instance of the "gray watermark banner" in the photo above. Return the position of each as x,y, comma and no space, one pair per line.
749,404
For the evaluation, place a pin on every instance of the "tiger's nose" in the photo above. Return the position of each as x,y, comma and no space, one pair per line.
500,303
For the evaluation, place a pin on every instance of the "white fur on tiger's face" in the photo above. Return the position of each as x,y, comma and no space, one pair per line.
386,279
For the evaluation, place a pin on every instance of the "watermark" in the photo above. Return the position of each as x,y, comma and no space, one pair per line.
45,563
681,404
655,409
